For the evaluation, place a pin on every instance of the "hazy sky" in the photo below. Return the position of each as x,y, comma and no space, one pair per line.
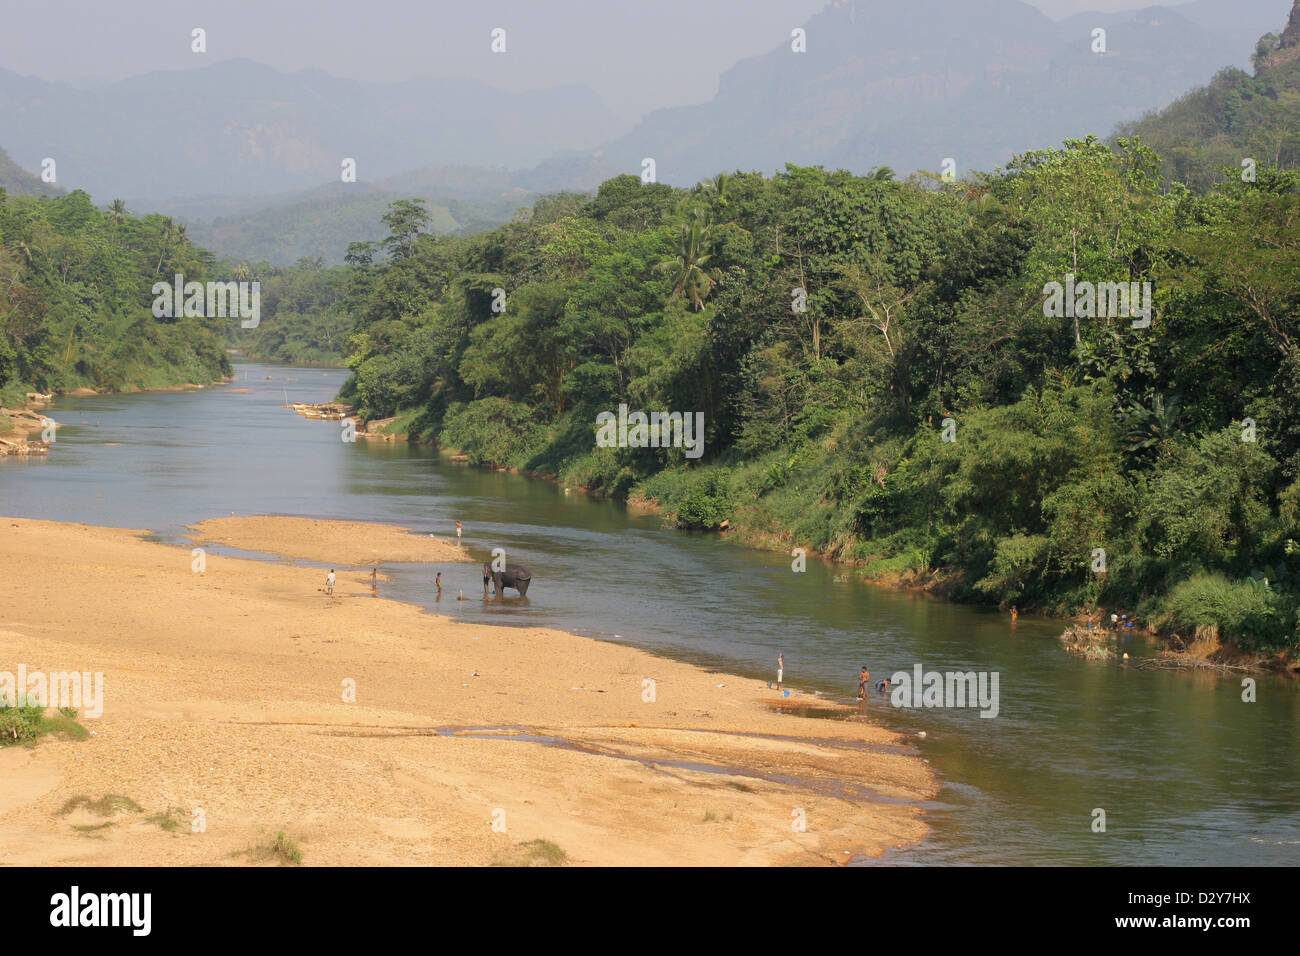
636,54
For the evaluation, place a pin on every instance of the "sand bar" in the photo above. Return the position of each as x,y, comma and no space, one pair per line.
224,693
353,543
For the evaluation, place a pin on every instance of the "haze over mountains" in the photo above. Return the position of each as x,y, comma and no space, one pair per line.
19,181
903,83
322,221
907,84
242,128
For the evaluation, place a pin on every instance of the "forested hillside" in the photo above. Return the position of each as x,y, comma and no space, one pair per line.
320,223
19,182
920,414
303,320
75,300
1207,134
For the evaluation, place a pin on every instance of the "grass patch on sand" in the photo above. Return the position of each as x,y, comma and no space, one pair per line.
23,725
92,827
281,848
171,819
106,806
533,853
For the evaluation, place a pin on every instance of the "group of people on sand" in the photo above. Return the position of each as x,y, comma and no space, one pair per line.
332,578
864,681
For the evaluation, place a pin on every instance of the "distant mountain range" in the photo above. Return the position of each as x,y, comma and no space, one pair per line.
249,157
16,180
908,83
322,221
1205,135
238,128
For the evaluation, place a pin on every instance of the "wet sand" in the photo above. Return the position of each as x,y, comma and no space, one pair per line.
224,692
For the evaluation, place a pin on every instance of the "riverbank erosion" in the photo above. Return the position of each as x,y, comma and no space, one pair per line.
371,733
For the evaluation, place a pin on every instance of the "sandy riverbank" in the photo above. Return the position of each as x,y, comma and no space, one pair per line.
353,543
224,692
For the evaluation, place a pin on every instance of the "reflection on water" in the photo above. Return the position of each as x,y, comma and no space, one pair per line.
1186,772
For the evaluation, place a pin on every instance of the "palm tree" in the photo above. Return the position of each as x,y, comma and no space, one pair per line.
690,263
117,209
165,239
717,187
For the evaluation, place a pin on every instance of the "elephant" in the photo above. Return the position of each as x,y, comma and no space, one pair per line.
514,576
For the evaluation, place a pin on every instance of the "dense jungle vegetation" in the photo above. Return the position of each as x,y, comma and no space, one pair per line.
828,324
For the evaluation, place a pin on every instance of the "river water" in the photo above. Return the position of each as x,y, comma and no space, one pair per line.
1185,770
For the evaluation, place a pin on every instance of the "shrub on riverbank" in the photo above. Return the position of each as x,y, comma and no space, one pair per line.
25,724
696,498
493,431
1251,612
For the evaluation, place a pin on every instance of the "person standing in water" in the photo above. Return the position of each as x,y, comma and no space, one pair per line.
780,669
864,677
438,581
458,530
1014,614
329,582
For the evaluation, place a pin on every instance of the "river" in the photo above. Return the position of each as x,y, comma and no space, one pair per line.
1185,770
